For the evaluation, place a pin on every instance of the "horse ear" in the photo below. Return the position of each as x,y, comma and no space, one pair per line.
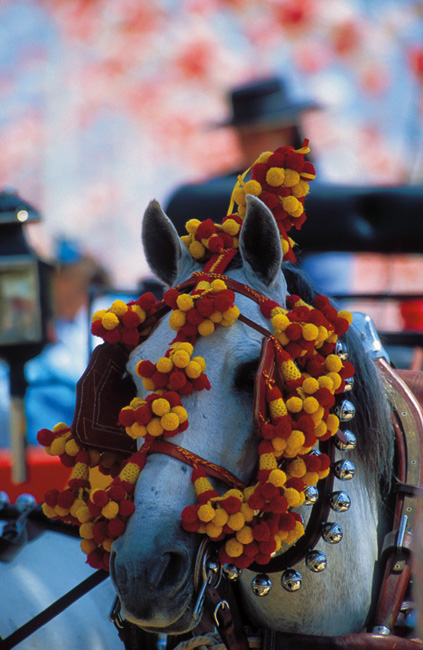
161,243
259,242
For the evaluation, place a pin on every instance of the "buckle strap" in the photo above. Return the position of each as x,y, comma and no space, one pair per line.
222,605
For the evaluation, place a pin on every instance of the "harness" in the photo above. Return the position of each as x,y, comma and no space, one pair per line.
216,593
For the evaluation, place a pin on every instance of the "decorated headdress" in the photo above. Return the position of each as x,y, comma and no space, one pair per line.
251,522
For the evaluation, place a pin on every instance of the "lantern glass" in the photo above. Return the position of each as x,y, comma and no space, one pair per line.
20,311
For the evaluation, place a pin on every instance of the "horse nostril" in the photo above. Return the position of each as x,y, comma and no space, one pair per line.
171,569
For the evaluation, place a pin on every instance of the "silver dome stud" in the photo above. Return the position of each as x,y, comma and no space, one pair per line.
311,494
341,350
231,572
349,384
345,410
348,442
316,561
25,501
4,499
339,501
344,469
332,533
291,580
261,585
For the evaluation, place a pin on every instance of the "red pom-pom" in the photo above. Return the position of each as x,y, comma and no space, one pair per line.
294,331
130,319
268,491
324,462
201,382
45,437
312,463
324,397
112,336
161,379
314,367
146,369
269,199
95,559
206,307
268,547
330,313
231,505
143,414
116,528
100,498
293,349
294,161
267,306
347,370
224,300
259,172
170,297
172,397
177,380
261,532
256,501
194,317
296,483
309,168
320,302
205,230
283,427
280,505
100,531
186,389
126,417
130,337
268,431
216,244
189,514
287,521
251,549
147,301
97,328
126,507
50,497
273,393
117,492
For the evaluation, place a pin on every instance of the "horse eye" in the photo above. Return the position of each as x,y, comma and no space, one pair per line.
245,375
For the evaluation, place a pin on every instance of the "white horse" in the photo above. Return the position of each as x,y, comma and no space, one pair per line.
43,570
152,563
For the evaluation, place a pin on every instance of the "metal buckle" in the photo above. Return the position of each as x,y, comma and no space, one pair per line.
207,571
115,615
221,605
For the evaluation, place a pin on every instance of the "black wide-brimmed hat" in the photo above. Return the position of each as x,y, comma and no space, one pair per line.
265,103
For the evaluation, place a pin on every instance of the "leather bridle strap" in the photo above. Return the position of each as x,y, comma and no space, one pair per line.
189,458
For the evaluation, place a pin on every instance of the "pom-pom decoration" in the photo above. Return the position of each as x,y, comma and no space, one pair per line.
252,522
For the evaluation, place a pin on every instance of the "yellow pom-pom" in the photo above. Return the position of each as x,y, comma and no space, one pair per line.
86,530
181,412
203,285
110,510
57,447
88,546
233,548
186,239
197,250
347,315
282,337
60,426
231,227
185,302
310,478
336,379
310,405
165,365
293,497
119,308
279,445
296,439
148,384
275,176
221,517
206,512
247,512
238,195
177,319
142,315
98,315
110,321
192,225
72,447
285,246
277,477
193,370
301,189
180,358
291,178
48,511
206,327
245,535
212,530
170,422
187,347
160,406
310,385
294,404
232,313
290,204
325,382
253,187
280,322
310,332
82,513
61,512
154,427
218,285
201,361
332,423
107,544
136,430
333,363
216,317
236,521
297,468
320,429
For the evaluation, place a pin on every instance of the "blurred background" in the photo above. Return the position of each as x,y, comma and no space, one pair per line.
106,105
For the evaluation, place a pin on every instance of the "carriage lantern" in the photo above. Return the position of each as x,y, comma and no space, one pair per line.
24,311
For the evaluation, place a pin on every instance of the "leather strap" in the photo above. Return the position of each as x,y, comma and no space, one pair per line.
272,640
221,605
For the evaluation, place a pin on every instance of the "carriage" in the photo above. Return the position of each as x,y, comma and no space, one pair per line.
263,455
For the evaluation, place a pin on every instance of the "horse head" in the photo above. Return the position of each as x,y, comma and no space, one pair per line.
152,563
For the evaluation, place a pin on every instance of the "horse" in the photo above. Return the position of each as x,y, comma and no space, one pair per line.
34,576
152,564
